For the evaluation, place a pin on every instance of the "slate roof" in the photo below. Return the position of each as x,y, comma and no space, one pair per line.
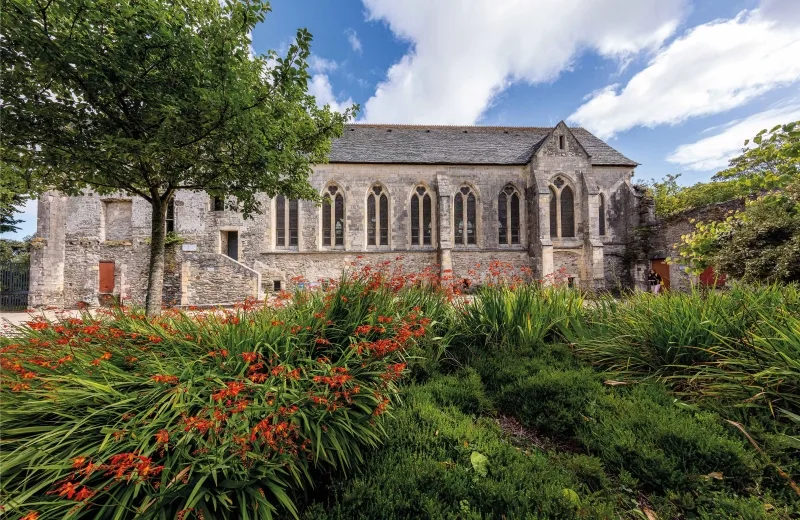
419,144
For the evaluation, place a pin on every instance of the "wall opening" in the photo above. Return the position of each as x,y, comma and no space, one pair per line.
230,244
276,285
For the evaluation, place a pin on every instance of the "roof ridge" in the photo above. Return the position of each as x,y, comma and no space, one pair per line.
476,127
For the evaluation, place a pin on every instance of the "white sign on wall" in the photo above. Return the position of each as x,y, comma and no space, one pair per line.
189,247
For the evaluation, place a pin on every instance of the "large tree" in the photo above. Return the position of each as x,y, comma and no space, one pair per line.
761,242
148,97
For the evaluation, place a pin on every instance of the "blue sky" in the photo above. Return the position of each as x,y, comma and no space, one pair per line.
676,85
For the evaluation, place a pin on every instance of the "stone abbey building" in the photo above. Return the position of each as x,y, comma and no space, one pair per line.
444,196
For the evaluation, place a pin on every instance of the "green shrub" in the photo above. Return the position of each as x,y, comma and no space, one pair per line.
662,445
555,402
425,471
463,390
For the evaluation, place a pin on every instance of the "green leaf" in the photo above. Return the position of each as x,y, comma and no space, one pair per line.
480,463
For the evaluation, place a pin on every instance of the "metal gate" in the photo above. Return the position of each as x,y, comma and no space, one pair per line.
14,284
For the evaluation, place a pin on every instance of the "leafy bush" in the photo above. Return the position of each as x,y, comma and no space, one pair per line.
426,470
662,445
464,391
219,414
552,401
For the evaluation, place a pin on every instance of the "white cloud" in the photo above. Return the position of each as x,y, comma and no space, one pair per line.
352,38
464,53
714,152
712,68
321,65
320,88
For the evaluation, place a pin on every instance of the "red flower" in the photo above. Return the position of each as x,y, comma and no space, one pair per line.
67,489
162,436
32,515
38,325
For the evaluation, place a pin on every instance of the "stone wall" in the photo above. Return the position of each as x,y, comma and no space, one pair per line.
215,279
88,229
668,231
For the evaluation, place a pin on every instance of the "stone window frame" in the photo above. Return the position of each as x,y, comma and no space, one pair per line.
415,194
558,183
478,217
287,224
520,212
339,191
378,216
602,215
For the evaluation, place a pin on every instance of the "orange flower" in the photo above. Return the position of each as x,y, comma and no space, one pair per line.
67,489
162,437
106,356
32,515
78,462
167,379
84,494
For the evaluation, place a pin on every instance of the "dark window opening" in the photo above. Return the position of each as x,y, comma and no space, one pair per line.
421,225
219,203
232,246
567,212
286,222
508,216
560,142
333,218
466,217
276,285
601,218
378,217
170,219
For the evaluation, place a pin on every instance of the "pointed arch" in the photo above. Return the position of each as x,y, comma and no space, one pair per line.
421,216
333,211
508,215
377,216
287,229
465,216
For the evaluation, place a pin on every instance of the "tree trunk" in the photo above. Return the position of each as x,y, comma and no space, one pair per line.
155,274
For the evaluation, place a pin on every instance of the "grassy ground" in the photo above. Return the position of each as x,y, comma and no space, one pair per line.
385,397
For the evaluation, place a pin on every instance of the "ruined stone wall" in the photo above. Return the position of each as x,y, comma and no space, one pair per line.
214,279
668,231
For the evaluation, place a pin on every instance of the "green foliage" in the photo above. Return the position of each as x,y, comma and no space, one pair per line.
425,470
153,96
758,244
15,250
739,347
773,164
555,402
661,445
220,414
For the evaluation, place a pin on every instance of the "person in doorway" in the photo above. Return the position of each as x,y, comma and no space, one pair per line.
654,279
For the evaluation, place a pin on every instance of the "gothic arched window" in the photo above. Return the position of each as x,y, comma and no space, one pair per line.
421,217
562,209
333,217
286,222
567,206
601,217
377,217
508,215
466,217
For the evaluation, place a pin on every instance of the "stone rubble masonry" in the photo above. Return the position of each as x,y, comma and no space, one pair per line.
76,233
668,232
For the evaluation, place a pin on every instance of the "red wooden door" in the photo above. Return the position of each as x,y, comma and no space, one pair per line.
709,278
661,268
107,277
